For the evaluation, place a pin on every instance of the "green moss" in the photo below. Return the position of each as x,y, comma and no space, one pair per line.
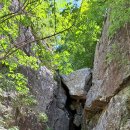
119,14
42,117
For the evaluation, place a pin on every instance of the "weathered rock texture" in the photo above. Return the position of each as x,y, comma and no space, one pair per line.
107,104
78,82
64,110
116,115
51,98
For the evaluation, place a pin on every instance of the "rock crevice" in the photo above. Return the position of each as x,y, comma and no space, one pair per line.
76,100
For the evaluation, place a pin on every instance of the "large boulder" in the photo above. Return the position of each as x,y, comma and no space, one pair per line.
78,82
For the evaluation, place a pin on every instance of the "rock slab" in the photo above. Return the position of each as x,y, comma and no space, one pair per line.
78,82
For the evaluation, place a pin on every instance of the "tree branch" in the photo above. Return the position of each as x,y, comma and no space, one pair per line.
20,45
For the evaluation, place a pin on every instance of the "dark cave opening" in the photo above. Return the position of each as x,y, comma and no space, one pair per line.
71,112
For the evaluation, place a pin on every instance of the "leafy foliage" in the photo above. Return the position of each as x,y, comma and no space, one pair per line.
76,48
14,128
73,31
65,34
119,14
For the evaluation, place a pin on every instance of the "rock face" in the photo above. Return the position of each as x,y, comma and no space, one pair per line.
116,116
107,104
111,66
64,109
78,82
71,103
50,96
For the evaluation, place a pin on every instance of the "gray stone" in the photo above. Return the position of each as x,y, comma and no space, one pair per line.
77,120
109,73
51,97
116,115
77,82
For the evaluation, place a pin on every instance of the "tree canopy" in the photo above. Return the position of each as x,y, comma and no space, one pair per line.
64,33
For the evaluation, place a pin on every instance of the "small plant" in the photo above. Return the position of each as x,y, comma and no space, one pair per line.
48,128
113,54
43,117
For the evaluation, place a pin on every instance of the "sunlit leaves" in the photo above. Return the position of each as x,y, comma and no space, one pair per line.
21,83
84,6
47,17
81,40
62,62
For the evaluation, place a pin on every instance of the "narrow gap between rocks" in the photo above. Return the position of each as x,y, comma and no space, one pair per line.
71,112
